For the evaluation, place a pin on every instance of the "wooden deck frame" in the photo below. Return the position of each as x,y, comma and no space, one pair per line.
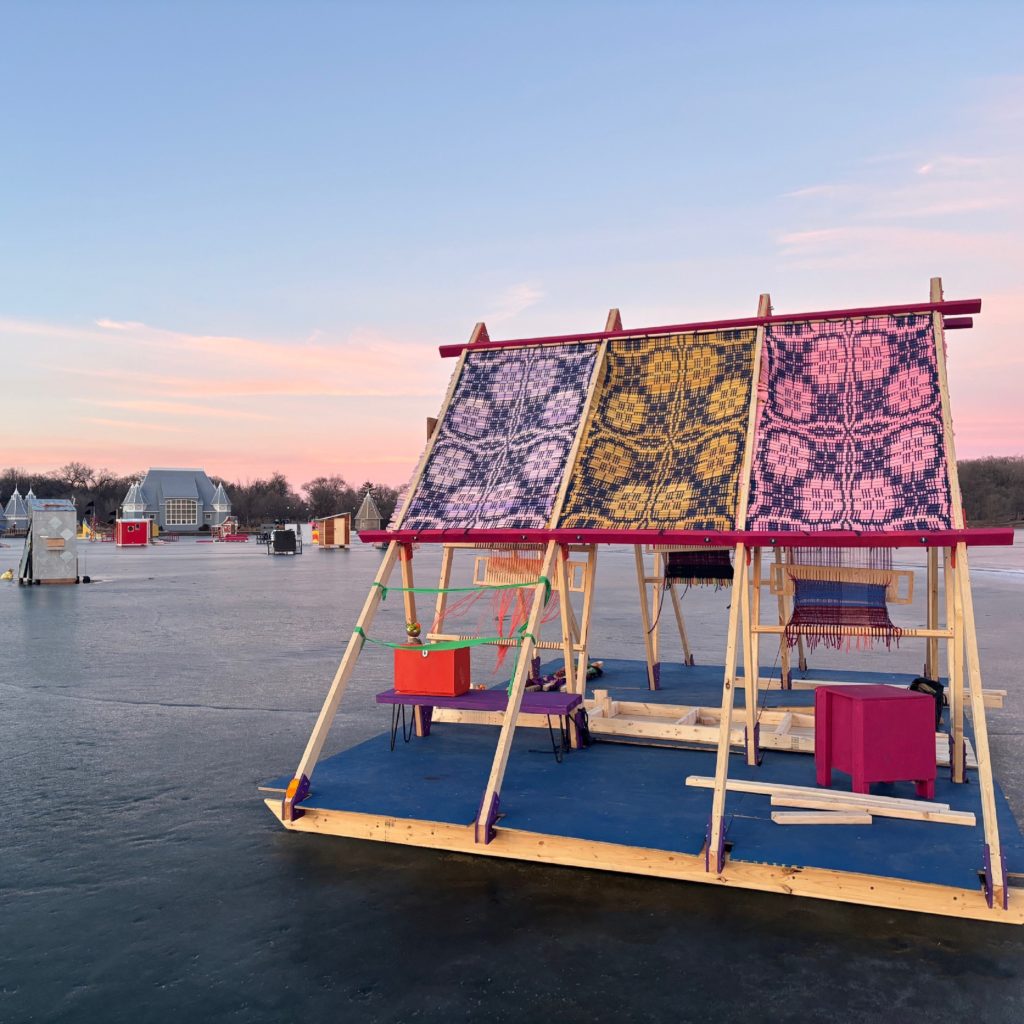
515,844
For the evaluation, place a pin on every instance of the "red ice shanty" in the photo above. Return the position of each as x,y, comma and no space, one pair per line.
131,533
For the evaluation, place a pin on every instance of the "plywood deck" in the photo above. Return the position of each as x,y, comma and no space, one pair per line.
634,798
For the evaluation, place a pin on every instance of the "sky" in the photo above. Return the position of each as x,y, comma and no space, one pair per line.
233,234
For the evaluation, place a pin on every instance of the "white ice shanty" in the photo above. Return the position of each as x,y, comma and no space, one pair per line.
50,554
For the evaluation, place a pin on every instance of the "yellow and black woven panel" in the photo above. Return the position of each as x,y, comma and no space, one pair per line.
664,442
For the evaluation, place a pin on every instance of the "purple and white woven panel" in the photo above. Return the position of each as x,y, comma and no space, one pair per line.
501,449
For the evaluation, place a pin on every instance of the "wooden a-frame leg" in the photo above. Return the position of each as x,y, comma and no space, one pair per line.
444,581
488,811
585,613
299,786
996,889
565,610
656,606
653,668
750,672
714,855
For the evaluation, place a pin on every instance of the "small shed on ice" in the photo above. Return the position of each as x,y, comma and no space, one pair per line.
131,533
333,532
50,554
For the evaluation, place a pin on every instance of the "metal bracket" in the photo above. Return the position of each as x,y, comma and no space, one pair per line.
989,886
488,824
297,791
758,752
720,852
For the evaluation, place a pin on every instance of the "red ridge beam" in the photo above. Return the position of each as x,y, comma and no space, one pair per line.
712,538
953,307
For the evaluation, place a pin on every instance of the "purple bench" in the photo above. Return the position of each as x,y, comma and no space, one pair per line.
566,706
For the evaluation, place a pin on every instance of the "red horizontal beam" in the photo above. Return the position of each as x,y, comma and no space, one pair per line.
951,308
958,323
712,538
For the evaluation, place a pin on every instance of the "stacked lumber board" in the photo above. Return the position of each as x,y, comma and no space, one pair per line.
828,801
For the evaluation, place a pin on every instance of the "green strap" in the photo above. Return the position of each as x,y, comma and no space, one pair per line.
432,645
467,590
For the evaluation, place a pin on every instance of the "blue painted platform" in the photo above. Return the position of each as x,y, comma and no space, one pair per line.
636,796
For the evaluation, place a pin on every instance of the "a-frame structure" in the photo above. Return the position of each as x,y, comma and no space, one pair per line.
678,437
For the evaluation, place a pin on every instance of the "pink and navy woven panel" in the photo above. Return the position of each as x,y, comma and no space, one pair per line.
849,436
502,447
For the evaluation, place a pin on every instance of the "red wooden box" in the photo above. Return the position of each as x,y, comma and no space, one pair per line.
875,734
419,669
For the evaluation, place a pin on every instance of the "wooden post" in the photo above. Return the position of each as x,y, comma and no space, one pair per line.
954,666
681,624
931,663
585,613
714,850
613,321
993,847
713,853
751,613
489,804
566,613
318,736
444,580
653,668
785,668
409,603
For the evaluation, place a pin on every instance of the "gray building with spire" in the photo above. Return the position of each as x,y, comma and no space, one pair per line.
16,513
177,500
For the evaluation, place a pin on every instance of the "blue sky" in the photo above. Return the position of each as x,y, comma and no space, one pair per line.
227,226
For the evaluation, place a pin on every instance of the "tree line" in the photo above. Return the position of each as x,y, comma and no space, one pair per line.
993,490
100,492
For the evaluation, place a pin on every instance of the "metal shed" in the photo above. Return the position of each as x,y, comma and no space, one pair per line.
50,554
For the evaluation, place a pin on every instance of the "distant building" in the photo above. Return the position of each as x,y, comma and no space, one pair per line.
16,513
368,517
177,500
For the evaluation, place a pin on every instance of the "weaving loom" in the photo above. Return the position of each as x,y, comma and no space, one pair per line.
833,611
698,567
664,442
849,433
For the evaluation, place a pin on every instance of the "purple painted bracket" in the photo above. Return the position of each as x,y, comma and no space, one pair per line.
426,714
989,886
534,669
298,790
488,825
719,853
656,673
787,681
758,752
